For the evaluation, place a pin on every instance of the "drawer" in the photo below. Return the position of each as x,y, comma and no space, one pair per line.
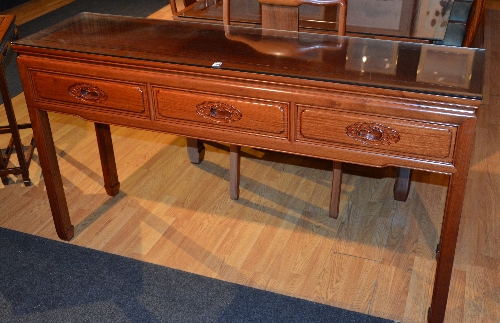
238,114
97,93
376,133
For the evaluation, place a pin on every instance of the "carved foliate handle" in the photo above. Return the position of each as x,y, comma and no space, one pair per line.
371,133
87,93
218,111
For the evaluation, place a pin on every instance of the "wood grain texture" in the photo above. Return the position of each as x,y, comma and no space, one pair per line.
166,215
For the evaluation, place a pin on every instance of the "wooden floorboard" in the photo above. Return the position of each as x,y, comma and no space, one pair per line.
376,258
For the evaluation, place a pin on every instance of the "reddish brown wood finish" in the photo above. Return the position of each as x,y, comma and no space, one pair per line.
278,110
451,222
107,154
51,173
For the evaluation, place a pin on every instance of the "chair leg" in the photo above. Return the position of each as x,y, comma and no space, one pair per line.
402,185
234,171
336,183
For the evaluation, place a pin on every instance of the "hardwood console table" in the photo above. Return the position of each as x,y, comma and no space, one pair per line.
8,32
362,101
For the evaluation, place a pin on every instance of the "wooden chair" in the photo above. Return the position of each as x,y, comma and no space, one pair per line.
283,15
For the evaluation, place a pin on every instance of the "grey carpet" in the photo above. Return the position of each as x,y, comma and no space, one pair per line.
50,281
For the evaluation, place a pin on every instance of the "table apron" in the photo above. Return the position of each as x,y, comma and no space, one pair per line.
358,125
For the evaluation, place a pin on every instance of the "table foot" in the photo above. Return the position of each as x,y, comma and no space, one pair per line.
402,185
66,233
196,150
112,190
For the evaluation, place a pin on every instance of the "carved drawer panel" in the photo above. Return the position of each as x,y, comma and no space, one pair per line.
245,115
105,94
371,132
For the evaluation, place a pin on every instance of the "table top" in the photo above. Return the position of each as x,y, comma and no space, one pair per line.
423,68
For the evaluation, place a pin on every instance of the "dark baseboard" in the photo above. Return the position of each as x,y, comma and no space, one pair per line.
8,4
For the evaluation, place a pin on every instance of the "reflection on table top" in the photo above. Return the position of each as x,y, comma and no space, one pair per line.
414,67
249,13
401,19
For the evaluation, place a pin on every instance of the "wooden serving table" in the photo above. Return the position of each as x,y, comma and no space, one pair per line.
362,101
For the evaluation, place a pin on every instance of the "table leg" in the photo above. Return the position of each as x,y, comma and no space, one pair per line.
105,144
234,171
445,252
51,173
402,185
336,189
196,150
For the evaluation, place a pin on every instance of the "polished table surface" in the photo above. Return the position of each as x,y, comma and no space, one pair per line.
350,60
356,100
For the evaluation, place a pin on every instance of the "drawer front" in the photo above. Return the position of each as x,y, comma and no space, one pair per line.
239,114
376,133
101,94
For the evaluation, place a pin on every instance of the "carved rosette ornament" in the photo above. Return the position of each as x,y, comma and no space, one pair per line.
87,93
371,133
218,111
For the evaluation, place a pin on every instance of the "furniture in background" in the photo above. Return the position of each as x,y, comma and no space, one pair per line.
465,26
8,32
399,104
451,22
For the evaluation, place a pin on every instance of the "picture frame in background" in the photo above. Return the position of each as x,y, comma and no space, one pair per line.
445,65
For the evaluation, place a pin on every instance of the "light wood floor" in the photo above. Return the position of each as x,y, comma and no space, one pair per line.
377,258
